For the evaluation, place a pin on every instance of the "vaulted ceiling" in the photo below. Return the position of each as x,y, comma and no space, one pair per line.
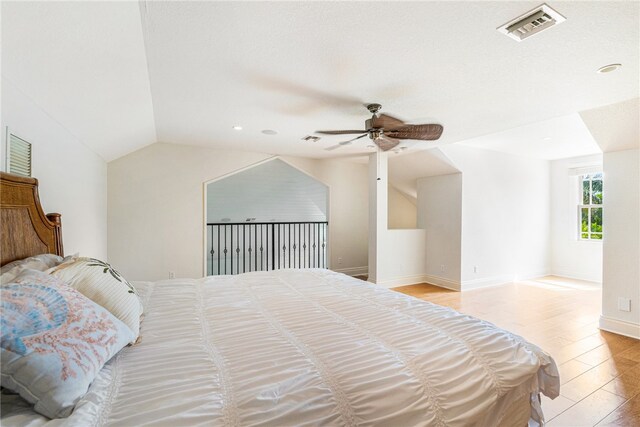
121,75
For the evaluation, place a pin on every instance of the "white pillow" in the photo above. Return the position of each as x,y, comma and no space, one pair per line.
101,283
41,262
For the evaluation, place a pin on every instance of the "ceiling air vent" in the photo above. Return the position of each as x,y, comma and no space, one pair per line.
532,22
311,138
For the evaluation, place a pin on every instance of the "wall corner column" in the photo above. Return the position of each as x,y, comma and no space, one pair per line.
378,213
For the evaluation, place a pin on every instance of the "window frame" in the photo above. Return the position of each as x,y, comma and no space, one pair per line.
590,206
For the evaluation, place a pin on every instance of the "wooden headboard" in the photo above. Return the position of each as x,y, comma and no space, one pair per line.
25,229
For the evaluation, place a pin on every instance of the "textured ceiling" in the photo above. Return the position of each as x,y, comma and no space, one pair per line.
84,64
296,67
557,138
615,127
405,170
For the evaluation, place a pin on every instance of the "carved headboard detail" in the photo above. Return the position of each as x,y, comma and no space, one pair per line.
24,227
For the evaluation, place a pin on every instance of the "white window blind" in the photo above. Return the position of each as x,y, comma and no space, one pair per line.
585,170
19,156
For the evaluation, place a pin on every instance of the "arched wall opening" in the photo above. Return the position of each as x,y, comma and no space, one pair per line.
265,217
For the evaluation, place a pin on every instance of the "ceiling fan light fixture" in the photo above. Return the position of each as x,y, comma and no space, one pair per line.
608,68
311,138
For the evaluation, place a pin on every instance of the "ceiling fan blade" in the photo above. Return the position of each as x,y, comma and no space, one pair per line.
429,132
385,143
386,122
339,132
333,147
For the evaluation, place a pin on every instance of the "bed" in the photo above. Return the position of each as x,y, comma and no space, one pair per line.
302,348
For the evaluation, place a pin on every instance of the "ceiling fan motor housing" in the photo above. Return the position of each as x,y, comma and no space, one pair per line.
368,124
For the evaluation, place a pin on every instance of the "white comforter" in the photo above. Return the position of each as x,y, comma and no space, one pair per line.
306,348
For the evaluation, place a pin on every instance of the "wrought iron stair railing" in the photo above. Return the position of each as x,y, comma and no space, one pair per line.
234,248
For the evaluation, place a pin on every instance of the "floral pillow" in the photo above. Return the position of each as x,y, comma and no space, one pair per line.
101,283
54,341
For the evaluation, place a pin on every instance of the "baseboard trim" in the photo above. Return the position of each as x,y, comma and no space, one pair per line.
571,275
620,327
420,278
353,271
486,282
442,282
532,276
402,281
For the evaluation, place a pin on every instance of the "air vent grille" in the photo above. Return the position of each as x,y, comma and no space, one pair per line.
19,156
531,23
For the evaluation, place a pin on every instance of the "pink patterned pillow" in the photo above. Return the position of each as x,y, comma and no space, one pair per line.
54,341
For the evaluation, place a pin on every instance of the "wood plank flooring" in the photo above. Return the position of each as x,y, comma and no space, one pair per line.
599,371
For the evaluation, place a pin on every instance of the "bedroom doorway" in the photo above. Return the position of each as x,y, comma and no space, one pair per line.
265,217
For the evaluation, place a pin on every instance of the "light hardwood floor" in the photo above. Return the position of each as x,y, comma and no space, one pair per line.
599,371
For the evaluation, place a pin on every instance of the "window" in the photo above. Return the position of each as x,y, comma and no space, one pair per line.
590,207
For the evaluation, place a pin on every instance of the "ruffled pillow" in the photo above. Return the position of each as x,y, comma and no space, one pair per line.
42,262
104,285
54,341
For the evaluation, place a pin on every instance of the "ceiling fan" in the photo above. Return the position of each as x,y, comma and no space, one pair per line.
386,131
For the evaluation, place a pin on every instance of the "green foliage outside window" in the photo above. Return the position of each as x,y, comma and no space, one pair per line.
591,207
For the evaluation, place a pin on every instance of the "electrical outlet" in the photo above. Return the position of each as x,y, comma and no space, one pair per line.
475,268
172,275
442,268
624,304
339,260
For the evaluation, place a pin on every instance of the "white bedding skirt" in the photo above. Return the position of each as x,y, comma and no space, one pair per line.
307,348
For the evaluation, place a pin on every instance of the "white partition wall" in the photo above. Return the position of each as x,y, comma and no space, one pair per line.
621,266
440,215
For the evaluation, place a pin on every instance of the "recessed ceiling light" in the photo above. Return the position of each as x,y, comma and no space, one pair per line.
609,68
236,127
269,132
546,138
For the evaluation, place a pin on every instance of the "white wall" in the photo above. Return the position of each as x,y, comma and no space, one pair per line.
570,256
348,210
616,129
440,215
402,258
396,257
403,213
72,178
621,227
156,214
505,216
